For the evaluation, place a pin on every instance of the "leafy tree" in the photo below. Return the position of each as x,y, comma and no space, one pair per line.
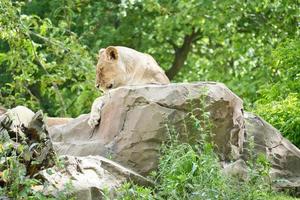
41,65
279,100
227,41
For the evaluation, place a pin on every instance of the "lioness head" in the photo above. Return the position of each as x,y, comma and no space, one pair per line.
110,70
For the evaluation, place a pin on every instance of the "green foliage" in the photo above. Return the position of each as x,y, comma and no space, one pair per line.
279,101
188,171
284,115
14,174
24,152
232,44
41,65
185,174
233,38
47,53
129,191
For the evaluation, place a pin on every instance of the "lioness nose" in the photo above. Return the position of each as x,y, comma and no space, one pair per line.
109,86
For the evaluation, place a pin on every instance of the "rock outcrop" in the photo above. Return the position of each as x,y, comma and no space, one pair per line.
24,138
88,177
283,156
135,120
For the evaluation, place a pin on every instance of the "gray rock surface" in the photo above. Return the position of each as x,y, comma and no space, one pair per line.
236,169
21,116
135,121
88,177
282,154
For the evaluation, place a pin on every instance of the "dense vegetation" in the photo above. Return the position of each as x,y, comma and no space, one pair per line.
192,171
185,171
185,174
24,152
48,50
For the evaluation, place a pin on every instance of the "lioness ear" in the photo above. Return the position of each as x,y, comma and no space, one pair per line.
112,53
100,52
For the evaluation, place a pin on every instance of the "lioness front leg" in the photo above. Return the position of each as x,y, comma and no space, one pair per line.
96,112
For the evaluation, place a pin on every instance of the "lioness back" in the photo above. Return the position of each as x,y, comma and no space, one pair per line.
118,66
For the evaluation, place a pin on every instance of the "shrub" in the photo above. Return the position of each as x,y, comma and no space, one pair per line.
284,115
24,152
42,66
188,171
279,101
183,173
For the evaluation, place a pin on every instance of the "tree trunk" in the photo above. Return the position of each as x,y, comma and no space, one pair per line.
181,54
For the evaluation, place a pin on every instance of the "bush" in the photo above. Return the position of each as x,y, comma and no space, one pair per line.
188,171
24,152
279,101
42,66
183,173
284,115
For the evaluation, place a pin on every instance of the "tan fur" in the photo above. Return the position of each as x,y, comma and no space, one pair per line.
51,121
119,66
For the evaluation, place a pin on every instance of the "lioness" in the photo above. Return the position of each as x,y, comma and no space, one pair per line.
119,66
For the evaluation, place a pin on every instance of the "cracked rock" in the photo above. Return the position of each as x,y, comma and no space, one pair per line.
135,120
283,156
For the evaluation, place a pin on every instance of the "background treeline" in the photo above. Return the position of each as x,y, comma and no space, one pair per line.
48,50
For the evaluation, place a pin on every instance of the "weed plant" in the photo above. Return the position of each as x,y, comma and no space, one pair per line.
192,171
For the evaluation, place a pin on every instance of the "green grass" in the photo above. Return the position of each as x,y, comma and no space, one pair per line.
186,173
282,197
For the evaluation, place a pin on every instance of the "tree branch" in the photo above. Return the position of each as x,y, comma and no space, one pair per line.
181,53
53,42
31,94
175,46
54,85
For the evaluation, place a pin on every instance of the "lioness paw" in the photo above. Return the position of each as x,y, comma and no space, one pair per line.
93,122
95,113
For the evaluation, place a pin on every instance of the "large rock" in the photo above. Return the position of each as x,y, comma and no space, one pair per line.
88,177
26,140
136,120
282,154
